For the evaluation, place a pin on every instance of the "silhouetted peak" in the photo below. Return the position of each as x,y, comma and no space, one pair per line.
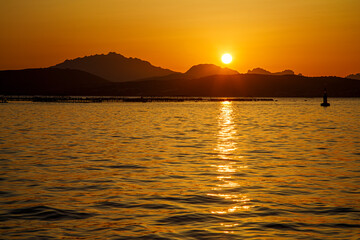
354,76
265,72
286,72
259,71
203,70
115,67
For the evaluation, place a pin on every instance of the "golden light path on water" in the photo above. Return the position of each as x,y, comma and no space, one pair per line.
229,164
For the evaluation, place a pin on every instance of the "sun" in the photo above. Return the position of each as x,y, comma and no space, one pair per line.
226,58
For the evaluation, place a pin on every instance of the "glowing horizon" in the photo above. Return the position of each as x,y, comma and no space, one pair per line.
313,38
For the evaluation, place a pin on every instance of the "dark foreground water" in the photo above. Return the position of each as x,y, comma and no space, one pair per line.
264,170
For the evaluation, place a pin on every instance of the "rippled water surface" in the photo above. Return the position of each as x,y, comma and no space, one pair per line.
288,169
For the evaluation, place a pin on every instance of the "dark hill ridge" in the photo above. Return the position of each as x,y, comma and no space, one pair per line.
196,71
354,76
52,81
49,81
203,70
115,67
265,72
242,85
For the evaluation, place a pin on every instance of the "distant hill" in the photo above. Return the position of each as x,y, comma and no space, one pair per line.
265,72
203,70
115,67
49,81
196,71
354,76
242,85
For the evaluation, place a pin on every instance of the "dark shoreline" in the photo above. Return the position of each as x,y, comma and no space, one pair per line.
98,99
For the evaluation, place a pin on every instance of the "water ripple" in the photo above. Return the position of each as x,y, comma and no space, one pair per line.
267,170
44,213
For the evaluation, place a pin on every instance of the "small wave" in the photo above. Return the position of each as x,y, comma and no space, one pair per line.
44,213
289,192
204,234
309,227
281,226
108,204
338,210
341,225
6,194
330,211
125,166
178,176
184,219
78,188
352,192
260,212
194,199
259,151
158,206
145,237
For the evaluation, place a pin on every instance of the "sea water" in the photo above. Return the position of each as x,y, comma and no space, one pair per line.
287,169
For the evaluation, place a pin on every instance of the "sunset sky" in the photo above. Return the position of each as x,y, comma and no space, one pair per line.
312,37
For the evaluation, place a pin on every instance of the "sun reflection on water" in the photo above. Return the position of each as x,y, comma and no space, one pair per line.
229,164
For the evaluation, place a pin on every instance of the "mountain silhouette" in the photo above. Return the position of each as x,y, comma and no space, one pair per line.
203,70
265,72
241,85
354,76
116,75
49,81
196,71
52,81
115,67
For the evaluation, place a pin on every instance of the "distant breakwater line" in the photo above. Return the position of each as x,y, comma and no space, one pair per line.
97,99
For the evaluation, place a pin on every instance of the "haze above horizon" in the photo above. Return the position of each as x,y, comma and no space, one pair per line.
310,37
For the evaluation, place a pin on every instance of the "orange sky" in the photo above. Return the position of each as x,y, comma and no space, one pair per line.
312,37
